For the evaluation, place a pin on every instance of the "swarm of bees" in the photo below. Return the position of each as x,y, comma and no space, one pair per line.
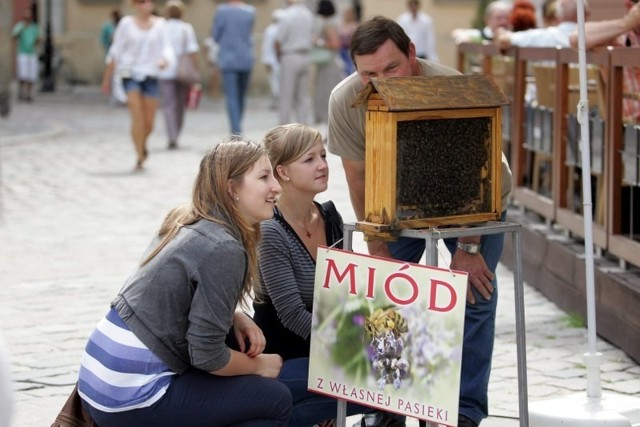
431,156
382,321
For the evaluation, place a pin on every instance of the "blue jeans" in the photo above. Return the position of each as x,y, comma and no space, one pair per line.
479,324
310,408
235,84
147,87
197,398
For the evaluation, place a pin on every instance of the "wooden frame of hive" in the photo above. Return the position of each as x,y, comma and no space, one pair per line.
432,105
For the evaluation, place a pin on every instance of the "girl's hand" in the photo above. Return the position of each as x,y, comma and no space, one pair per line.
270,365
245,329
106,86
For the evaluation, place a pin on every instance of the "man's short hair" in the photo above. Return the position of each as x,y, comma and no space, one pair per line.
326,8
372,34
174,9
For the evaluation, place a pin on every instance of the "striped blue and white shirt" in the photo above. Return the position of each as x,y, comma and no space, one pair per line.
118,372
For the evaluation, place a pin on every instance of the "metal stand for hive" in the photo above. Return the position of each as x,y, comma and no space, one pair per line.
431,237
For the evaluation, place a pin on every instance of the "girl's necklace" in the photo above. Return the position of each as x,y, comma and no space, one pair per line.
306,231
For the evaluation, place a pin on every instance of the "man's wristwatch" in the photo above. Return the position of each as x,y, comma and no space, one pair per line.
470,248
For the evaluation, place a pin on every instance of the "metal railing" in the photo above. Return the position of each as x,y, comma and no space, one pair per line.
543,145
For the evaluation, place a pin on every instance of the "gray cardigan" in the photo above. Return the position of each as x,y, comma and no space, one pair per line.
181,303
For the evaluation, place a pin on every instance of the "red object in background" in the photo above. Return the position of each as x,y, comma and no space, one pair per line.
193,97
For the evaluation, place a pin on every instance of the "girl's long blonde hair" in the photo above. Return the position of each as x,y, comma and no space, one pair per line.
224,164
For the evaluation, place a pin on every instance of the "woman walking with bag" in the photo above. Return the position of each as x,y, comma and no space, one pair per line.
140,49
174,91
159,356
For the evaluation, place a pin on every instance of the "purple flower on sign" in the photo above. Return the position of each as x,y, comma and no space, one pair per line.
386,327
358,319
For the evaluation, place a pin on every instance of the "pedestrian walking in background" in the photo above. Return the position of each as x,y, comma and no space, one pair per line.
27,36
139,51
233,31
294,41
329,66
159,356
174,93
108,28
118,96
419,27
270,57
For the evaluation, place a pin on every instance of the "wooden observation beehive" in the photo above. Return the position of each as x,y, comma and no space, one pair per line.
433,152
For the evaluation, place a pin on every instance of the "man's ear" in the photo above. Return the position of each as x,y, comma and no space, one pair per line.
412,52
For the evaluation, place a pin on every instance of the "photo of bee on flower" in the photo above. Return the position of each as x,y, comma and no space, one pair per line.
390,345
387,334
385,328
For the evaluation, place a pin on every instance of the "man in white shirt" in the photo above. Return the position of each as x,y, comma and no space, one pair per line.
293,44
419,27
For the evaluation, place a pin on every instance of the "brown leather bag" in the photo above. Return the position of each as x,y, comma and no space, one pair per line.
73,414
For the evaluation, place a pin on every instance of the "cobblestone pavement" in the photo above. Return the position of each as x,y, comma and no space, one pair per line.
75,218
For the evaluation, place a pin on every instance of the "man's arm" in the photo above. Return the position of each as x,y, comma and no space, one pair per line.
355,173
502,38
605,32
278,50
